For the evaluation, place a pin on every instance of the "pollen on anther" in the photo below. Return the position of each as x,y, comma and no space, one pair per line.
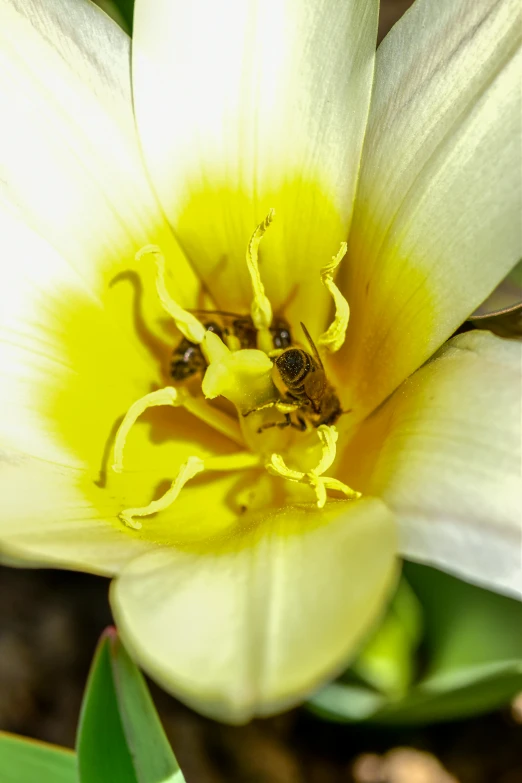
334,336
261,310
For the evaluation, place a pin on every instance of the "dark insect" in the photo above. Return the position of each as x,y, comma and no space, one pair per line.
301,380
187,358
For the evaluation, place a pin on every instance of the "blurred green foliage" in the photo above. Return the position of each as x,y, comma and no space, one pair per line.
445,650
27,761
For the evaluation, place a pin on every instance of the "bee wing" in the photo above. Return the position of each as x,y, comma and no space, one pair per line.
315,352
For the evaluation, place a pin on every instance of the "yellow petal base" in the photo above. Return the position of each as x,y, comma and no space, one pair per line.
244,378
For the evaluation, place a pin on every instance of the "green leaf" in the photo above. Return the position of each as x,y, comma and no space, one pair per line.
120,737
28,761
126,9
346,702
103,753
472,649
151,751
387,661
122,11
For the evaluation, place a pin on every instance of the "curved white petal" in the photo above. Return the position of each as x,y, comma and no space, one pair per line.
68,373
251,624
66,367
53,515
75,205
445,452
70,163
246,105
437,219
505,297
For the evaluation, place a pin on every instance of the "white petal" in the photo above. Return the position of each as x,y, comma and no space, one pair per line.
437,221
445,452
245,105
70,163
507,296
53,515
68,373
250,624
65,365
75,205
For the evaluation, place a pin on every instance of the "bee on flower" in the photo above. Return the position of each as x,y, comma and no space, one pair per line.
257,166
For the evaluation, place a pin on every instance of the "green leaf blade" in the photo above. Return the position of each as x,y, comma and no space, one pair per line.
103,754
120,736
28,761
153,758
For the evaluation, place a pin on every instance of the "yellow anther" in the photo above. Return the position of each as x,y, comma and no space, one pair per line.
261,310
187,323
319,483
167,396
175,397
244,460
328,437
334,336
278,467
333,483
188,470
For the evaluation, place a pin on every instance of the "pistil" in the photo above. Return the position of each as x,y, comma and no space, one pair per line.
244,377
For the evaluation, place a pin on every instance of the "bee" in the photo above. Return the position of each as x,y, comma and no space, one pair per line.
300,379
236,330
187,358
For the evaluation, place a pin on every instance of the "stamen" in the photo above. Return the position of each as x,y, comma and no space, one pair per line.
317,484
175,397
278,467
328,436
261,310
244,460
334,336
187,323
188,470
167,396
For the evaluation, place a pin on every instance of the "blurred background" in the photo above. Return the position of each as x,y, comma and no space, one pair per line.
50,622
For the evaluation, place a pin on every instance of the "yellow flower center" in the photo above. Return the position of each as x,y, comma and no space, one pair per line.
286,407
